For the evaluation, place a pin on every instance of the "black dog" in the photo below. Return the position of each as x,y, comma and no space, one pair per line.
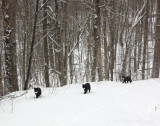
37,92
86,87
126,79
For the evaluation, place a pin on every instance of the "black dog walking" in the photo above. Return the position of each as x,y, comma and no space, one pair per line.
126,79
86,87
37,92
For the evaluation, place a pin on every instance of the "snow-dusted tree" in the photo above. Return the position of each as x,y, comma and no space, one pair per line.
96,63
9,25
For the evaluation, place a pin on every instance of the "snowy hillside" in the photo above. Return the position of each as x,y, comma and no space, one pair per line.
108,104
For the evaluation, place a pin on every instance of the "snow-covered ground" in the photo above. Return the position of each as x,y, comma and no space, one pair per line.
108,104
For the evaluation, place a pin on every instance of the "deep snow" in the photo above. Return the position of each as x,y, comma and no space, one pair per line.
108,104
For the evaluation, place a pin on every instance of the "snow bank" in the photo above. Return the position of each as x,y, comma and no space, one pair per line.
108,104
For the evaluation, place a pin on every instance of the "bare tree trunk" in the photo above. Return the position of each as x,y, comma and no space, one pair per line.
57,38
88,51
51,23
124,65
12,13
1,84
139,47
94,62
106,63
26,36
46,57
71,68
65,11
145,40
112,35
31,52
135,50
98,41
9,25
59,48
156,63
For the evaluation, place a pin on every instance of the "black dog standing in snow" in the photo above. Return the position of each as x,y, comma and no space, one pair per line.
37,92
126,79
86,87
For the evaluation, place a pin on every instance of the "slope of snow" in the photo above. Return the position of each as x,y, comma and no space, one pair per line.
108,104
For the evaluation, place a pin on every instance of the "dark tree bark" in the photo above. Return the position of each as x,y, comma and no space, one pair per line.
94,49
112,23
145,40
98,41
46,57
1,85
96,44
26,36
106,63
59,51
9,25
156,63
32,44
65,27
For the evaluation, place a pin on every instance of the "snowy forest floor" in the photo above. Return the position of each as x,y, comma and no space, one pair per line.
108,104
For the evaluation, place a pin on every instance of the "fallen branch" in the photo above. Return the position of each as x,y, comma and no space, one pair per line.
11,96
